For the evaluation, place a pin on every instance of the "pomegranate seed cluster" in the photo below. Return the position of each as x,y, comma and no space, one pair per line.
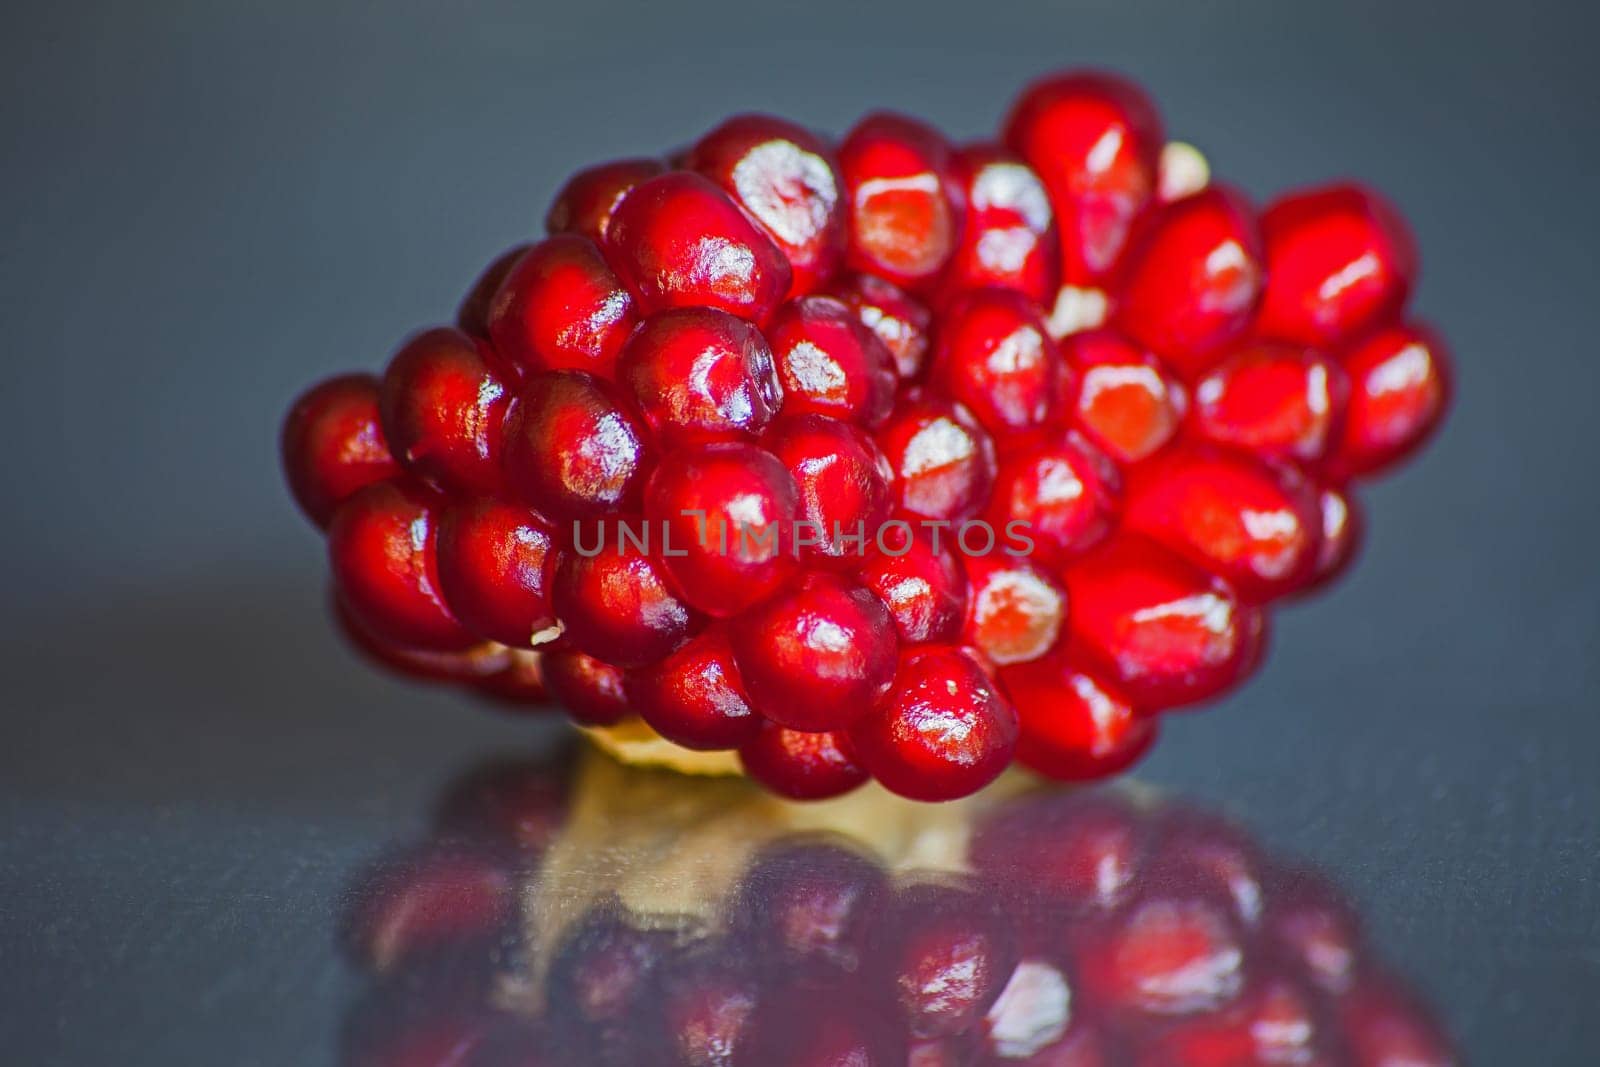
1085,931
887,458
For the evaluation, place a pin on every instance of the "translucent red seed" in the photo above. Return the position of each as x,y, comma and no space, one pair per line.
723,519
572,449
1009,240
785,178
472,316
818,655
901,323
922,584
1191,279
585,204
801,765
560,307
943,461
1275,400
843,484
1095,141
1055,497
1015,609
1340,261
332,444
383,552
694,697
995,357
1340,537
495,563
443,407
1400,382
700,374
1074,727
592,690
829,363
944,731
678,240
1121,396
619,604
904,207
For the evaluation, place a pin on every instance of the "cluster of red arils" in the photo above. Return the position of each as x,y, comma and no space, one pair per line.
1082,928
910,351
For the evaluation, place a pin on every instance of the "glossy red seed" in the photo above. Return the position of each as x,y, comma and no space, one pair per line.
1095,141
1122,397
902,203
1255,524
1340,260
1165,956
1275,400
922,585
801,765
843,484
561,308
572,450
726,513
945,956
995,357
495,562
700,374
901,323
694,697
591,690
829,363
785,177
1074,726
1400,382
943,461
806,901
817,655
619,604
707,1005
1191,279
332,444
585,204
1055,498
472,316
1015,609
443,411
1166,632
471,664
1341,535
944,731
383,551
678,240
1010,239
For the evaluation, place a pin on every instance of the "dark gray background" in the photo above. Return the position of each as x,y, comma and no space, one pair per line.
207,209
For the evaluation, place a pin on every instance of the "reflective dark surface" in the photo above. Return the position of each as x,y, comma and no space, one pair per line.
210,207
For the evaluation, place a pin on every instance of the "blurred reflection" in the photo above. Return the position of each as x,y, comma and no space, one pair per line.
579,912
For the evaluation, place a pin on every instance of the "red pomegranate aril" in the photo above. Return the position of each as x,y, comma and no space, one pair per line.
1308,921
619,603
585,204
518,688
724,518
945,956
900,322
700,374
383,552
829,363
1121,396
784,176
995,356
1342,532
903,205
495,562
1056,497
1400,380
678,240
944,731
472,316
1167,632
1165,956
1074,727
1015,610
470,664
333,445
572,450
813,1024
810,903
443,411
1272,1022
843,483
1210,856
1340,261
1009,240
561,308
943,461
1191,279
1081,852
592,690
801,765
1095,141
1253,523
1276,400
707,1004
694,697
818,655
922,585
